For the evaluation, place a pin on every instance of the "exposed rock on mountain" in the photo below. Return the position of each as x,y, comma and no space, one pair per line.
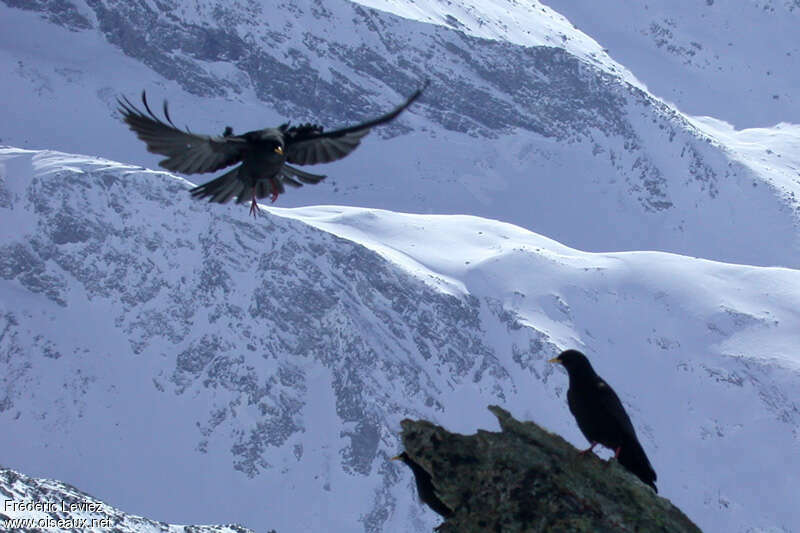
181,348
526,119
256,372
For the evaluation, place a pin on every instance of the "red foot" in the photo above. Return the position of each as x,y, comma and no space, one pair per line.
254,210
276,186
587,450
616,454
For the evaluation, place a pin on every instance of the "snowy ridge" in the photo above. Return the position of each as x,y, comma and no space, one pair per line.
186,363
539,136
276,357
735,61
527,24
31,504
773,153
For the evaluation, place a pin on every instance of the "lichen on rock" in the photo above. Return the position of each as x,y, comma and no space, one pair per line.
526,479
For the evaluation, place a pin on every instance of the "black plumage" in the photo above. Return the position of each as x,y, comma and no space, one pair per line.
601,417
425,488
264,154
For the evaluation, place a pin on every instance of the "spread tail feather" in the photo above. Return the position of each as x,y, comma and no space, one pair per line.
223,188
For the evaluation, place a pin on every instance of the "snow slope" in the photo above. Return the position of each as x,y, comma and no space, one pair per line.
732,60
770,152
526,120
31,504
255,372
276,357
527,24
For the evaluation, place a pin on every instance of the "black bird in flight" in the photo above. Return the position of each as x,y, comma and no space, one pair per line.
601,417
264,154
425,488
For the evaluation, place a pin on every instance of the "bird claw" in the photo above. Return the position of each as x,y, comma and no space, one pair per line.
587,450
254,210
275,196
615,458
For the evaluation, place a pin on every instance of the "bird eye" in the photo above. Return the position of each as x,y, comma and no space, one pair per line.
279,150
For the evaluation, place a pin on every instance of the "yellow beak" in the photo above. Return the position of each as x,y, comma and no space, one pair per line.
554,360
395,458
279,150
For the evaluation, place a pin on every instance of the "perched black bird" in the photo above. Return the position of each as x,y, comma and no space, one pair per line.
425,489
263,154
601,417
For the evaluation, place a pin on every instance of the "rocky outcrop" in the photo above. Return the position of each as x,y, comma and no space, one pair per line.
524,478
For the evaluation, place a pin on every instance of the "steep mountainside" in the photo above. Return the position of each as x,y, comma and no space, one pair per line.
526,119
184,362
31,504
732,60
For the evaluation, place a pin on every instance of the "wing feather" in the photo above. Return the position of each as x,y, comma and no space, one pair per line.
302,175
632,455
289,180
308,144
186,152
613,406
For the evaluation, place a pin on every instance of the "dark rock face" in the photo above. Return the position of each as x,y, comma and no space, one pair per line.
527,479
61,12
481,87
161,37
532,107
242,311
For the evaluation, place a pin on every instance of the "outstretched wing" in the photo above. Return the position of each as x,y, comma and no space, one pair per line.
186,152
308,144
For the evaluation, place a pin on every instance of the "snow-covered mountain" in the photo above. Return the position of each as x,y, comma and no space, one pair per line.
736,61
31,504
526,120
156,349
183,362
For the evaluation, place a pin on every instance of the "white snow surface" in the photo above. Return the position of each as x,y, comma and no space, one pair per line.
184,362
31,504
526,23
702,353
770,152
738,61
668,184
